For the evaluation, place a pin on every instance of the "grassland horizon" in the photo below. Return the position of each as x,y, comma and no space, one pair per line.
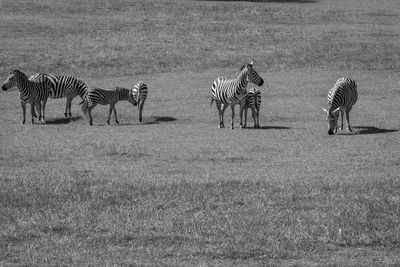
176,190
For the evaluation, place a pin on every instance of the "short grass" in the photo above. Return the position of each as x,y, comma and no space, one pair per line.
176,190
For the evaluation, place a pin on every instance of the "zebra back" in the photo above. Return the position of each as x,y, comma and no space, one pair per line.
342,94
62,86
30,90
140,92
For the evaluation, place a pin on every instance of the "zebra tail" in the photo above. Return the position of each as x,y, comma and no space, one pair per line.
212,101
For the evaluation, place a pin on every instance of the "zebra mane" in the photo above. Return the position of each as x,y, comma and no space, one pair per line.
15,71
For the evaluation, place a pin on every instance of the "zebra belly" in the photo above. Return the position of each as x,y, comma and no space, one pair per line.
236,100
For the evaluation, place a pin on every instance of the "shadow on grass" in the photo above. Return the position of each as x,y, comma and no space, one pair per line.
158,119
63,120
268,1
269,128
372,130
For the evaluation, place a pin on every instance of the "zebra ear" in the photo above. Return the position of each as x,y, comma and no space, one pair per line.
251,63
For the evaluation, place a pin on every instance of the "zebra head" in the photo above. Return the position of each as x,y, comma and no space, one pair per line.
332,118
13,79
252,75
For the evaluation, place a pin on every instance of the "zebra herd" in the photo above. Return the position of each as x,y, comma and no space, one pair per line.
36,89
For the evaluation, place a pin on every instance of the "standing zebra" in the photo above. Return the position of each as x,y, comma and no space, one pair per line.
341,97
140,92
32,92
231,92
101,96
253,101
63,86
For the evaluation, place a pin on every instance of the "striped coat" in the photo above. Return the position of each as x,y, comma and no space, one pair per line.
253,101
232,92
63,86
341,98
35,92
102,96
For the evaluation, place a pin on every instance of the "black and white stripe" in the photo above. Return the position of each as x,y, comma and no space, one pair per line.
63,86
140,92
231,92
341,98
253,101
102,96
33,92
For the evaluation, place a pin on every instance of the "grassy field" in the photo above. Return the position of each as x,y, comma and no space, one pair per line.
176,190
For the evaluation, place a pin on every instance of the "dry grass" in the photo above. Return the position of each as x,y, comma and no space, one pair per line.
176,190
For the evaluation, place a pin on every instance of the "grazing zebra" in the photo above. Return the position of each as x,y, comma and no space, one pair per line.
32,92
140,92
253,101
63,86
101,96
341,97
231,92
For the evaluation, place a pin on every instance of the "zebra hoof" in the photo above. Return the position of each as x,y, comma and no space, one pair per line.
117,121
66,115
108,122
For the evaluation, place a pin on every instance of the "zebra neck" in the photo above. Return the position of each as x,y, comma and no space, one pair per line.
25,86
241,82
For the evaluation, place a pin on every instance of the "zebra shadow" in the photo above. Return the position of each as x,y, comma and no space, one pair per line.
157,119
268,128
270,1
63,120
372,130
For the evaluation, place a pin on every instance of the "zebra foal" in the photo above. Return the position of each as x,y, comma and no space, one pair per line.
34,92
63,86
341,98
252,101
232,92
102,96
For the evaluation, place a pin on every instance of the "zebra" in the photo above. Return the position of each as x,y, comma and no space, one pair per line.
102,96
341,97
253,101
33,92
63,86
140,92
231,92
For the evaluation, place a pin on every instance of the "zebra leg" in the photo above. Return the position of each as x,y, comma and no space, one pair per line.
43,107
233,115
23,105
38,109
33,112
258,118
254,115
89,111
341,115
221,111
115,115
109,114
242,106
68,105
245,117
348,128
140,113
